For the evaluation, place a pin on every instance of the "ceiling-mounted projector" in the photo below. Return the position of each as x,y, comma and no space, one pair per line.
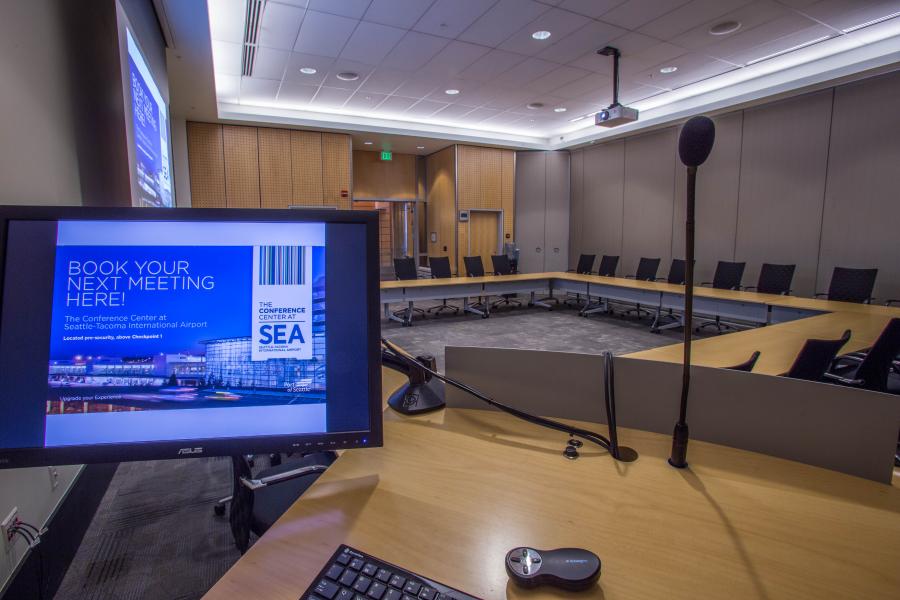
615,114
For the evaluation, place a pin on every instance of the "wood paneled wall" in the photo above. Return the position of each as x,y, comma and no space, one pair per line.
237,166
440,186
810,180
376,178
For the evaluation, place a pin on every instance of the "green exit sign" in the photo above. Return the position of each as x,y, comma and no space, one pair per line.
385,155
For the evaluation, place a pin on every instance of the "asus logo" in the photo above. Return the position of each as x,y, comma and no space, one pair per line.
191,451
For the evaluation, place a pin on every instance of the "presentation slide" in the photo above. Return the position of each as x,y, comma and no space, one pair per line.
178,330
150,124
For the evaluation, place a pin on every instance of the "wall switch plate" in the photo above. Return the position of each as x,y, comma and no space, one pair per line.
54,477
6,525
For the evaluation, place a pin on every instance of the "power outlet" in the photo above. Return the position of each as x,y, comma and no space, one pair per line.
54,477
6,525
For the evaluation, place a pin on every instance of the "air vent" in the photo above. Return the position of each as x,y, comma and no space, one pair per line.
251,35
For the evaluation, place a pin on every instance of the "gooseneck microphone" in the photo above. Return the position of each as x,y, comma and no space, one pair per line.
694,145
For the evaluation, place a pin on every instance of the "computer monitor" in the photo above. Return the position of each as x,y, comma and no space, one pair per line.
134,334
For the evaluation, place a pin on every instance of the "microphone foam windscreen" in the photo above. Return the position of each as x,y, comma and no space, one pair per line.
696,141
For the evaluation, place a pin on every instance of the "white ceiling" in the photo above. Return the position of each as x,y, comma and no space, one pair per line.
408,52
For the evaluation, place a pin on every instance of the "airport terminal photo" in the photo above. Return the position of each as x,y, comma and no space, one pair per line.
449,299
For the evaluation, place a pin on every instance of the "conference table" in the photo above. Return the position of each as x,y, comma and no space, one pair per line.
784,322
452,491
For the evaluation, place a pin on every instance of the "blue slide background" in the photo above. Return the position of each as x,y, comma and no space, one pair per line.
226,308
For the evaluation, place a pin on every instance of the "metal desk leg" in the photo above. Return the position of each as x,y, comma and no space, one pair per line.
599,307
467,307
542,303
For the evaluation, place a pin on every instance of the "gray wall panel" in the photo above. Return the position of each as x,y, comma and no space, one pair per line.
604,171
783,164
860,224
717,201
576,207
648,193
531,175
556,255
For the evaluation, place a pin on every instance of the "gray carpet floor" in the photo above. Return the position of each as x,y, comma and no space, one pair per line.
155,536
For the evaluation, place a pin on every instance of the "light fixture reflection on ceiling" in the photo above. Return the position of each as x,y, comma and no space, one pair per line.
667,70
308,71
559,109
540,35
451,92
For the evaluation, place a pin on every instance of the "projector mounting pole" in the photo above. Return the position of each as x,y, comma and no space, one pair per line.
614,52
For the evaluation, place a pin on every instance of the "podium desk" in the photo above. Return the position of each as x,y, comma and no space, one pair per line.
451,492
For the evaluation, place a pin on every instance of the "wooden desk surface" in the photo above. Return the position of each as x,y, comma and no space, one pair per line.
410,283
451,492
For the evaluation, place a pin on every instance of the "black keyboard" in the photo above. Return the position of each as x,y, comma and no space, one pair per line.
353,575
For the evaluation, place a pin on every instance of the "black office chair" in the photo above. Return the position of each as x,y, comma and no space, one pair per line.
256,510
872,370
851,285
585,267
608,266
440,269
815,358
646,271
728,276
405,269
746,365
774,279
502,266
475,268
677,272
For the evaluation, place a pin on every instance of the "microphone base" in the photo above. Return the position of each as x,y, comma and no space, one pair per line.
678,458
418,398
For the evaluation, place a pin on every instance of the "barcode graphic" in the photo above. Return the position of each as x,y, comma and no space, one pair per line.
282,265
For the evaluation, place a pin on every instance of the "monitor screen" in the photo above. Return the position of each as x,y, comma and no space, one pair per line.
150,133
219,332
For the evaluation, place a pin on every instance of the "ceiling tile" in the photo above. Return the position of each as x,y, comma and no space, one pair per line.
296,94
467,89
454,58
593,36
299,60
559,23
394,105
691,67
841,14
750,16
508,98
453,111
418,86
502,20
592,84
354,9
258,91
449,18
557,78
398,13
226,20
635,13
324,34
491,65
425,108
342,65
371,42
503,118
384,81
364,101
297,3
590,8
330,97
689,16
270,63
525,72
228,88
807,35
414,50
481,113
280,25
741,46
226,57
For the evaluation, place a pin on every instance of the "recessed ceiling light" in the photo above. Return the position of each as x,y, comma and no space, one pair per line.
725,27
559,109
308,71
451,92
420,147
348,76
367,143
540,35
534,105
667,70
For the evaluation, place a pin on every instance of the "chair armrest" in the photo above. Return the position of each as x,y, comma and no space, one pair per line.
706,283
631,277
570,270
844,380
747,288
819,294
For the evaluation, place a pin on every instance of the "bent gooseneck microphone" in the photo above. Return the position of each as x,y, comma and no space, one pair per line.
694,145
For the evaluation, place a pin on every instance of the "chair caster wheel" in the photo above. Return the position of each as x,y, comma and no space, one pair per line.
484,316
219,509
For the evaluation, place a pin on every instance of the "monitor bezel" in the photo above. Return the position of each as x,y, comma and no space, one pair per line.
154,450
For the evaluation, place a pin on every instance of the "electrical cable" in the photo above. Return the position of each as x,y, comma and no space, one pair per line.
585,434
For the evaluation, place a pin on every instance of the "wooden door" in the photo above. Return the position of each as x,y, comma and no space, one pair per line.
483,241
